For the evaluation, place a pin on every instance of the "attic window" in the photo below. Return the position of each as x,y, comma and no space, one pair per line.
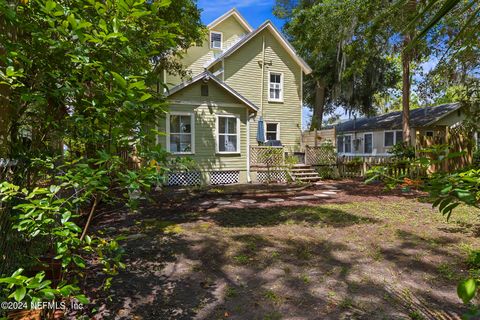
215,40
204,90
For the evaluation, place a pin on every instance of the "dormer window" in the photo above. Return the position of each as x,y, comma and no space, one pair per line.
215,40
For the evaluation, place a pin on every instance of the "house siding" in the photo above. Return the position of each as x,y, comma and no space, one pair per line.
244,74
196,56
205,111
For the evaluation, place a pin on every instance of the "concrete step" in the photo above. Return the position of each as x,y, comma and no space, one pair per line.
304,170
301,174
308,178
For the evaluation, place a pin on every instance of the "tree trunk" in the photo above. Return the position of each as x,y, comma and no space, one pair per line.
319,106
406,59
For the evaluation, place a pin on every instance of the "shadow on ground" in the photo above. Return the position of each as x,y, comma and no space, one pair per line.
296,262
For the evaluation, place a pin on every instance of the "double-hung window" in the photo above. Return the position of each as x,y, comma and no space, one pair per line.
391,138
275,86
272,132
228,134
180,133
368,143
216,40
344,144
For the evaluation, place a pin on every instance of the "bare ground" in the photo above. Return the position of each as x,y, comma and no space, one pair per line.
362,254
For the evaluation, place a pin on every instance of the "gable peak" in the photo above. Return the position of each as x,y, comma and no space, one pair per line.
231,13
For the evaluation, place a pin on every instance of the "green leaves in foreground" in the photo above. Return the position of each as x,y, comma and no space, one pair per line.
466,290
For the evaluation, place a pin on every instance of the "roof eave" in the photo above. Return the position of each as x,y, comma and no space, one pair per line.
457,106
232,12
284,42
220,83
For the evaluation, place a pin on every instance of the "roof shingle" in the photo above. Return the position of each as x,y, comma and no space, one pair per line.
391,121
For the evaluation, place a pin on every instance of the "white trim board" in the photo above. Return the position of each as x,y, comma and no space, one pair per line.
363,144
206,103
236,14
192,128
276,33
270,99
217,135
207,75
210,40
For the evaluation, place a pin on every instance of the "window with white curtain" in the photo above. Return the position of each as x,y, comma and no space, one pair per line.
228,134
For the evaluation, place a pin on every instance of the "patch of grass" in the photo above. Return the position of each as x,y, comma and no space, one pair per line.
446,271
275,255
331,294
271,296
346,303
241,259
231,292
303,253
305,278
167,227
415,315
376,253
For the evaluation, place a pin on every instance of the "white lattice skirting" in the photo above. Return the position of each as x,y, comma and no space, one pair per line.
224,177
188,178
272,176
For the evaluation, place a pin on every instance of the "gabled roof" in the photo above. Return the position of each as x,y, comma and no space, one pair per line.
231,13
422,117
209,76
277,34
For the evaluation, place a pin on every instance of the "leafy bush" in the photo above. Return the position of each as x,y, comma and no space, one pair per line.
402,151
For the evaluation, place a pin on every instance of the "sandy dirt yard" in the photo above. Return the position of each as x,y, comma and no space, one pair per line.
357,252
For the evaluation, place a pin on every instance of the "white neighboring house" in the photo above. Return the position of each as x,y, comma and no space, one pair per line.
377,135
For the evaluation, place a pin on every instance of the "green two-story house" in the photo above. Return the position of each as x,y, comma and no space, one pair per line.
241,78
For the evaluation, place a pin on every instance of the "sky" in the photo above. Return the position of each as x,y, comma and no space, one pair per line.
254,11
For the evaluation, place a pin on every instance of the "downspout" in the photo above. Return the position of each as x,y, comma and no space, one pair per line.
263,74
248,146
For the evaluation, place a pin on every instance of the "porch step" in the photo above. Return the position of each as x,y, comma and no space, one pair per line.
304,173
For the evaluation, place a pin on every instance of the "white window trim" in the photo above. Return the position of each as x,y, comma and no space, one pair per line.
210,40
343,143
192,126
364,134
394,137
217,136
278,129
281,86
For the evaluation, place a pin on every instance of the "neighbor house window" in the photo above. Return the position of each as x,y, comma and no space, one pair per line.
180,133
272,132
429,134
276,87
398,137
368,143
215,40
391,138
228,134
344,144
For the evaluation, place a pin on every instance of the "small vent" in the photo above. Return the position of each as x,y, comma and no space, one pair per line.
272,176
224,177
204,89
188,178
